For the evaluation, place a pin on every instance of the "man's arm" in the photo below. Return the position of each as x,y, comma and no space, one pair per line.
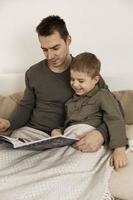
24,109
4,125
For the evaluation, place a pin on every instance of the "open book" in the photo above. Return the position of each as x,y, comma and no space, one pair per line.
42,144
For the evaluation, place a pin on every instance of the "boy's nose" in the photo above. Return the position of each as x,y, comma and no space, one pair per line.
75,84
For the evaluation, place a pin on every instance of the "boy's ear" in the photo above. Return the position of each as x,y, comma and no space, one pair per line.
96,78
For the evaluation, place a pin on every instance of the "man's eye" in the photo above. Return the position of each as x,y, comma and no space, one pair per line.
45,50
55,49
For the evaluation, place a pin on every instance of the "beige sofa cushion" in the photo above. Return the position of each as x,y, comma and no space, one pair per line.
121,181
126,99
8,104
129,131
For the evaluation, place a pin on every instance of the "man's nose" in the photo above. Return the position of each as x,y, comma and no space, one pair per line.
50,55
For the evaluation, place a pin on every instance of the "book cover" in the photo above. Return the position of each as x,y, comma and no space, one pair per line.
46,143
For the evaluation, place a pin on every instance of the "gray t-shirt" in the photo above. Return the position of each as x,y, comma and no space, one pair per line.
42,106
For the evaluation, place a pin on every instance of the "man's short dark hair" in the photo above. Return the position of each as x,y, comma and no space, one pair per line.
51,24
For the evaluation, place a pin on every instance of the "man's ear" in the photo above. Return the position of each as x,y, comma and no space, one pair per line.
68,40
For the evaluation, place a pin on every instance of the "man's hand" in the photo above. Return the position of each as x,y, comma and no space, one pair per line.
4,125
90,142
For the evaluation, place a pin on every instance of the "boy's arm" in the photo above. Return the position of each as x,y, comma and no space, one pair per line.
113,118
103,130
119,158
100,136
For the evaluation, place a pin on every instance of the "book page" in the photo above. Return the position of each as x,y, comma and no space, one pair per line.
14,141
46,143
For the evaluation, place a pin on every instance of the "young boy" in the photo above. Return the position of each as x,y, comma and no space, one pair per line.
91,105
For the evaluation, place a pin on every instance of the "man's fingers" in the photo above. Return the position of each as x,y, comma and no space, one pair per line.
85,148
79,143
82,136
111,162
116,165
91,142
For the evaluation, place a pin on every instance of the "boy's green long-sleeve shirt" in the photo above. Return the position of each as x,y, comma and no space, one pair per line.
97,107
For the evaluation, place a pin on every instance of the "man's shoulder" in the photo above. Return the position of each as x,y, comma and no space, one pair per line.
36,67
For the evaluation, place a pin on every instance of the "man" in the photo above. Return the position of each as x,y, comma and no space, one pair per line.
47,86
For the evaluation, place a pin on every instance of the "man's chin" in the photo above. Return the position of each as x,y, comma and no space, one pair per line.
54,64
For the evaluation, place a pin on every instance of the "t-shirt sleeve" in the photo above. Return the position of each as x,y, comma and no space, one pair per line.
24,109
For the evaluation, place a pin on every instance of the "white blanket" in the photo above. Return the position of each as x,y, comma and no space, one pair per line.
56,174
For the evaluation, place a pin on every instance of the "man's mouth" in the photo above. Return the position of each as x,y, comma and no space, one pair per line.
53,62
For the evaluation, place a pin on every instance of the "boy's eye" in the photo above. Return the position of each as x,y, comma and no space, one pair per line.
81,81
72,79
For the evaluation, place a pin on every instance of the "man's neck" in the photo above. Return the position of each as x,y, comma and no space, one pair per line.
64,65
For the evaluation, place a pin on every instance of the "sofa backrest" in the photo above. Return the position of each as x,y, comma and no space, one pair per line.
9,103
126,99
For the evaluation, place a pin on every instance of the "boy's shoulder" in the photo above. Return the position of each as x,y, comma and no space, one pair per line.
69,101
105,93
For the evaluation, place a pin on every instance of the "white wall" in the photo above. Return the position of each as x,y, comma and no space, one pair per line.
103,27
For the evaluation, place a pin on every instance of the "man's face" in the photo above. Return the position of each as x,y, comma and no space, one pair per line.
55,48
82,83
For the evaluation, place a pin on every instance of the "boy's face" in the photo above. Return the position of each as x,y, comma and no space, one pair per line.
82,83
55,48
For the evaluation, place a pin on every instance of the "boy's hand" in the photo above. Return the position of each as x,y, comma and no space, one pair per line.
119,158
4,125
90,142
56,132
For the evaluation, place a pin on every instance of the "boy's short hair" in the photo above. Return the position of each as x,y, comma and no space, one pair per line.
88,63
51,24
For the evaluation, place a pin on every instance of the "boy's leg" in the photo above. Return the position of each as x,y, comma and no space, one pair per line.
78,130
